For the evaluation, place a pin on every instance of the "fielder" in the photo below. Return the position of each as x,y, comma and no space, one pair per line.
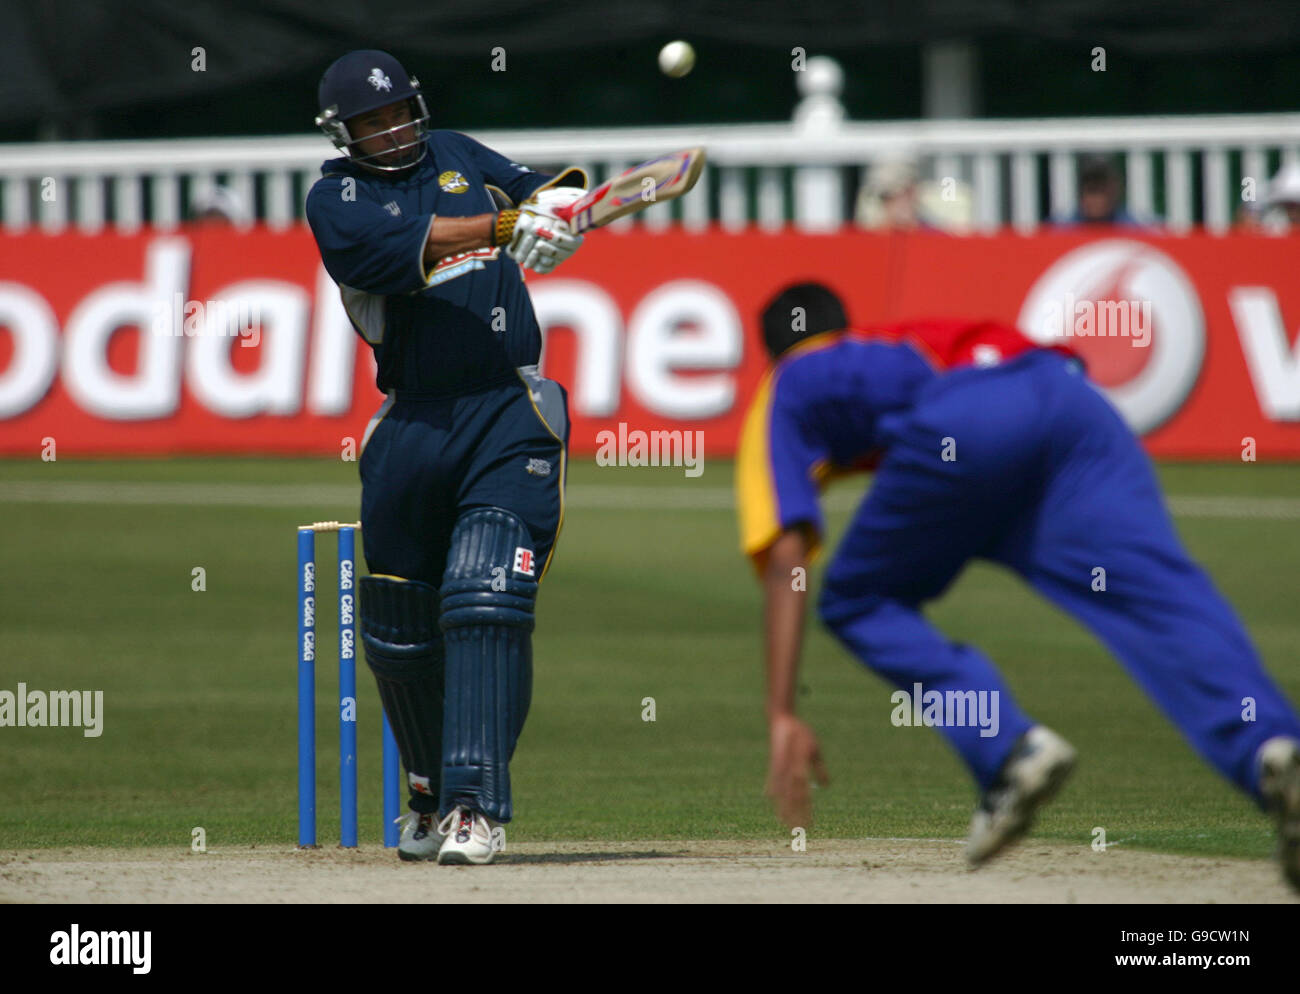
984,445
462,468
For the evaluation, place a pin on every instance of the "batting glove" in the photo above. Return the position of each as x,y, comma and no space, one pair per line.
541,241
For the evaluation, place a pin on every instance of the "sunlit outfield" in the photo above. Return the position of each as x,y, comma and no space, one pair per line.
647,597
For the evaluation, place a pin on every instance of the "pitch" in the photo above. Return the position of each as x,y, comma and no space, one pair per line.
654,872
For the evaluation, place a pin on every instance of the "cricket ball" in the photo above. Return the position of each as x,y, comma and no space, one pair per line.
676,59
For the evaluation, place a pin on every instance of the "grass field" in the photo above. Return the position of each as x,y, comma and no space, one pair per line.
647,597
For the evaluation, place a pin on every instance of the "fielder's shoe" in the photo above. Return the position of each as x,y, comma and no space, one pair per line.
1279,784
469,837
1034,771
421,836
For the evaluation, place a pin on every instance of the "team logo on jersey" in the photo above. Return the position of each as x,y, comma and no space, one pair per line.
538,467
524,562
378,80
393,208
453,182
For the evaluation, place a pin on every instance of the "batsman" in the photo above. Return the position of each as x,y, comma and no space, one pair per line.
462,467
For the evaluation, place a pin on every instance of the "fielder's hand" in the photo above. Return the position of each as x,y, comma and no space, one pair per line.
541,241
794,754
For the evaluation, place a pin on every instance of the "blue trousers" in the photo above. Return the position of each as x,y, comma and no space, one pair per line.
1047,480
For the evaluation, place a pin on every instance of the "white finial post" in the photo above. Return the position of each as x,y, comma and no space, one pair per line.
818,190
820,84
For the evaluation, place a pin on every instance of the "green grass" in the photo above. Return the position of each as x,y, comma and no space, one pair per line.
199,687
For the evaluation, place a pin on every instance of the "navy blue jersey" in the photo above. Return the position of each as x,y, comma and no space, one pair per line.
434,329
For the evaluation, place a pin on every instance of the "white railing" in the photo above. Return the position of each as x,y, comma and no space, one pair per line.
1188,170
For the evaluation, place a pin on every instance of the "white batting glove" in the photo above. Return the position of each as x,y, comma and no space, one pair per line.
541,241
556,196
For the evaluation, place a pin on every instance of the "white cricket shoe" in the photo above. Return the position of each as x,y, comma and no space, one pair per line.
1279,785
421,836
471,837
1032,774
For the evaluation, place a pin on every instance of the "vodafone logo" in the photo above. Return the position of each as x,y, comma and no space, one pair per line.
1134,316
282,378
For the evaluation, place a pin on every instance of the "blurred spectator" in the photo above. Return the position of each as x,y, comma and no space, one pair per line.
1280,211
1101,195
893,199
217,205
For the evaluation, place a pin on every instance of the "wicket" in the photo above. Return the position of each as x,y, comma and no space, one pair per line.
347,695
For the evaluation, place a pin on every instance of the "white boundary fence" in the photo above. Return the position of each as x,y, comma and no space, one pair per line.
1188,170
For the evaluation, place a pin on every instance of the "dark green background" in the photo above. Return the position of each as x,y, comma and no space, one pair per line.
620,85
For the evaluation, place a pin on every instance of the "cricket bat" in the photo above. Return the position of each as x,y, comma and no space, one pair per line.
652,182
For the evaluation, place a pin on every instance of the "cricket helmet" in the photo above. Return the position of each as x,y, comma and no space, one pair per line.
360,82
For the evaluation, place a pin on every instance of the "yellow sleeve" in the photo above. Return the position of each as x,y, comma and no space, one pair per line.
756,496
755,490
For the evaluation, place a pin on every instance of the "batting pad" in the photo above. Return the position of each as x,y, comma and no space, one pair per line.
488,591
405,651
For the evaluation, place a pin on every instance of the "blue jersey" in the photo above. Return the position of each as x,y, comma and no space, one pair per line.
445,329
818,412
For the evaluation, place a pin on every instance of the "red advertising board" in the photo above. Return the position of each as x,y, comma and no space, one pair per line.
103,347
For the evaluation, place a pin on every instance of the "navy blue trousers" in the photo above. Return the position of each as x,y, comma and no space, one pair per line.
427,461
